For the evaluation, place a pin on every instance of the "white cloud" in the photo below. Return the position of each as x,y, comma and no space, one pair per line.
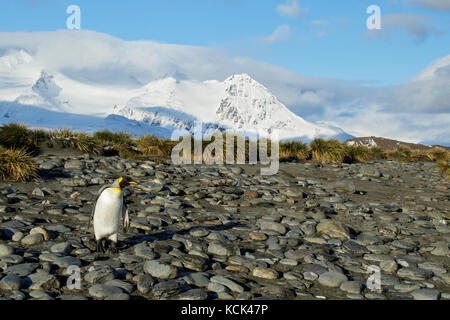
281,33
291,9
439,5
417,26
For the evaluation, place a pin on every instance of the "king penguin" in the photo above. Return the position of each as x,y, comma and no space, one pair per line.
108,210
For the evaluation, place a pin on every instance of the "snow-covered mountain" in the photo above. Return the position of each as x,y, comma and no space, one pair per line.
239,104
40,95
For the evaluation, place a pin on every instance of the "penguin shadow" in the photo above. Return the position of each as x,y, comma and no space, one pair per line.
168,234
53,174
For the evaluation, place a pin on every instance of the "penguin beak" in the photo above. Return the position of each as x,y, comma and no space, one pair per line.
132,182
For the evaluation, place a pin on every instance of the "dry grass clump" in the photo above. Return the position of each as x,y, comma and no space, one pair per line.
444,168
357,153
86,143
331,151
294,150
377,153
16,165
109,137
64,133
402,154
152,146
18,136
438,154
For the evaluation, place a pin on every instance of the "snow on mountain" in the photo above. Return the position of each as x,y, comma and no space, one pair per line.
120,92
249,106
239,104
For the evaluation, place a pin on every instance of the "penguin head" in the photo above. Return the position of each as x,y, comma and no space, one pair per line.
123,182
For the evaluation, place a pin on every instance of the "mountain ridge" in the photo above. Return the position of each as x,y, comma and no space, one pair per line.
239,103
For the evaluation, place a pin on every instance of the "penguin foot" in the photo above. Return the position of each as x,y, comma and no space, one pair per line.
113,248
100,246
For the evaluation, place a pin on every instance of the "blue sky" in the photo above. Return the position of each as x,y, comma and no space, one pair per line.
314,38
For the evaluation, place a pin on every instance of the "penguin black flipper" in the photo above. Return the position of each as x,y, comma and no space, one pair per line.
95,202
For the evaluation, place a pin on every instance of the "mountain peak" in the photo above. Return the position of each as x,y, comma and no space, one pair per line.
240,77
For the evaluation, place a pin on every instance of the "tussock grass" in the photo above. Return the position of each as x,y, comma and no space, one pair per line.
438,154
106,136
377,153
16,165
356,153
18,136
402,154
294,150
331,151
150,146
86,143
64,133
444,168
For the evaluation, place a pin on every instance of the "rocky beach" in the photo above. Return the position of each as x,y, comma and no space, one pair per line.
313,231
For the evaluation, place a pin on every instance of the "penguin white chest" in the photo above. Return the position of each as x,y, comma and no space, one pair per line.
108,211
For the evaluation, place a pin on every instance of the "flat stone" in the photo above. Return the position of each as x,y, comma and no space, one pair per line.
351,287
265,273
426,294
257,236
414,274
441,249
389,266
144,252
160,270
63,247
118,297
74,164
344,186
355,248
220,249
311,276
38,192
100,274
17,295
67,261
166,289
40,295
73,298
407,287
11,282
145,283
198,279
23,269
271,225
32,239
233,286
42,280
370,171
332,279
334,229
375,296
193,262
193,294
102,291
217,287
125,286
12,259
5,250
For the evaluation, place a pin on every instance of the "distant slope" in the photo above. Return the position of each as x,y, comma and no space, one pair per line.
388,144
